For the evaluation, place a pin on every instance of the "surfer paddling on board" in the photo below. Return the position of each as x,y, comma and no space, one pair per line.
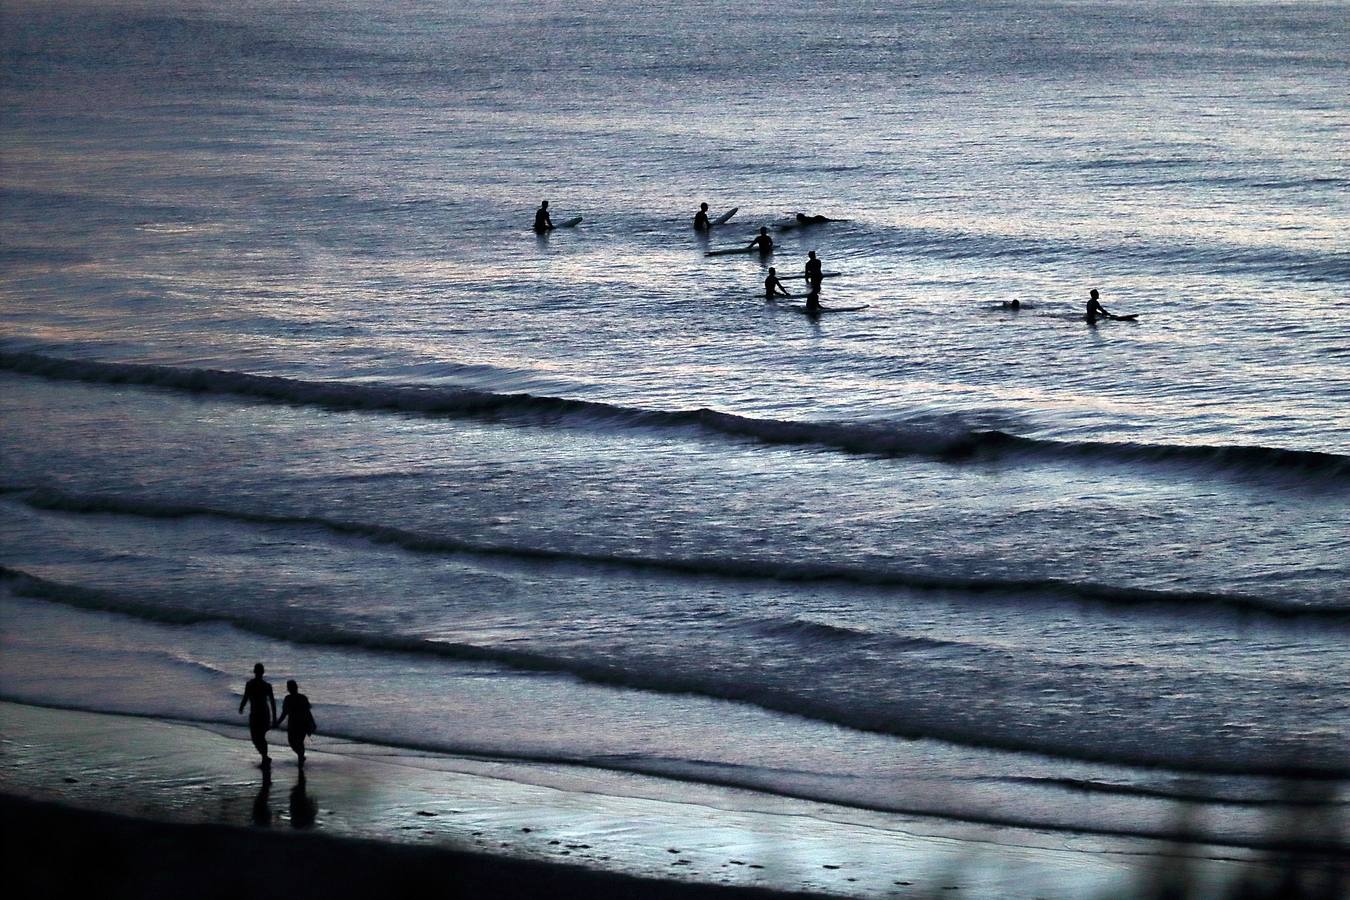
773,288
701,223
804,219
762,242
542,220
258,697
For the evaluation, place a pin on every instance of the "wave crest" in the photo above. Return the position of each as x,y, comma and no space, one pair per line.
764,696
863,438
717,567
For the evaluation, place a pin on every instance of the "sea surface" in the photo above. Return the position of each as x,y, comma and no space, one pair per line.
286,376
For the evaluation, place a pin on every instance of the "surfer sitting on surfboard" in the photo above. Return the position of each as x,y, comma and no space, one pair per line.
762,241
773,288
542,221
1095,310
701,222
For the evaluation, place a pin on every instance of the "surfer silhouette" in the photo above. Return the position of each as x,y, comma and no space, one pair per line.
773,288
542,220
814,275
262,713
701,222
762,241
295,706
1012,304
1095,310
813,307
803,219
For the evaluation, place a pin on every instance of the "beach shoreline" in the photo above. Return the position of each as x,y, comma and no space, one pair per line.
80,785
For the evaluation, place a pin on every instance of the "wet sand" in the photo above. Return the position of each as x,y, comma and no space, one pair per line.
57,851
164,807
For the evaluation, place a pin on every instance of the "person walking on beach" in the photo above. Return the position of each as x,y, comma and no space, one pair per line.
701,223
262,713
542,220
773,288
295,706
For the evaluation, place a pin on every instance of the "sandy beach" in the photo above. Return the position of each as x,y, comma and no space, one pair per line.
153,801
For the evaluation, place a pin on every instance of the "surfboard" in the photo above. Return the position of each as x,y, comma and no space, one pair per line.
824,309
802,275
569,223
789,224
731,251
726,216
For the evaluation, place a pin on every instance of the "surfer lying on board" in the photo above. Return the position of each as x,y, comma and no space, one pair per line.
1012,304
804,219
542,221
701,222
773,288
762,241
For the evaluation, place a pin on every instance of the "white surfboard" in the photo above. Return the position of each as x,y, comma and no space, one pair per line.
725,217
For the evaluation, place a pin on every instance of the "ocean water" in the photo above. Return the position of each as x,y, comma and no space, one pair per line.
284,375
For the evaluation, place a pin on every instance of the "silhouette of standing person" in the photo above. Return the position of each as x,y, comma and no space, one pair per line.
813,306
295,706
701,222
261,715
814,276
542,220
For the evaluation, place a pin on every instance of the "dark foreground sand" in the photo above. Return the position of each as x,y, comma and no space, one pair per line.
56,851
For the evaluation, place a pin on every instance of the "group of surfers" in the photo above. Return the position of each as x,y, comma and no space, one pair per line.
773,287
763,242
814,275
